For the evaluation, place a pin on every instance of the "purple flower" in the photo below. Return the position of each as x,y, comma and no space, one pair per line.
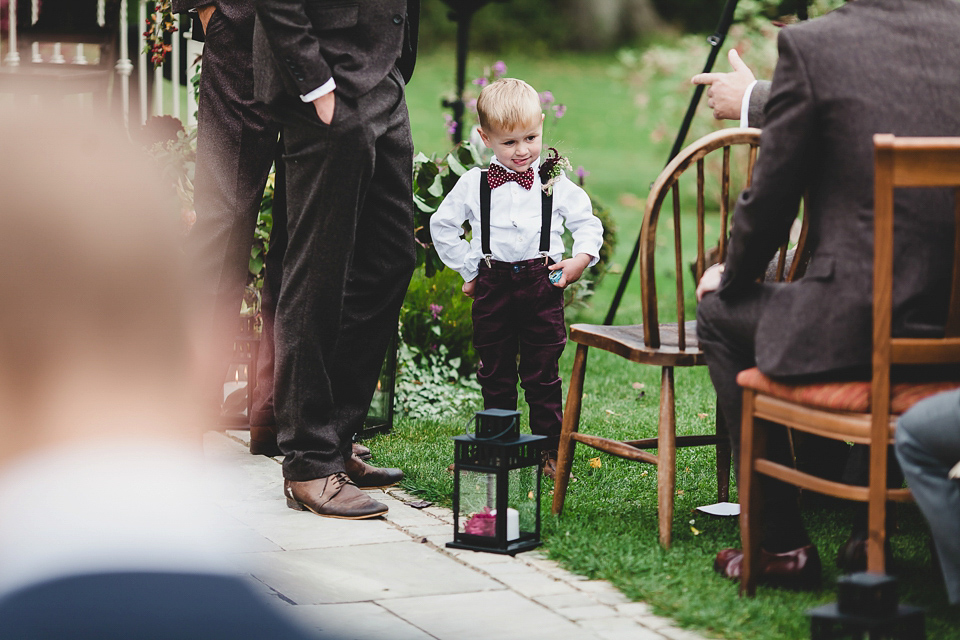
546,98
581,174
435,310
559,110
499,68
450,123
481,82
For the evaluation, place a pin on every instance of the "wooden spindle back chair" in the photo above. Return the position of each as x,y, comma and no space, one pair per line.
668,344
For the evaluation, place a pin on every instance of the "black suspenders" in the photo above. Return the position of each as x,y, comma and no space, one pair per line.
546,215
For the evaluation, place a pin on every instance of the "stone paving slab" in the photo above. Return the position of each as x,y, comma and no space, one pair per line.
365,573
500,615
393,578
357,621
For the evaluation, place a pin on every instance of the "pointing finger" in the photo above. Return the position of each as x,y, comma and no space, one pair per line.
705,78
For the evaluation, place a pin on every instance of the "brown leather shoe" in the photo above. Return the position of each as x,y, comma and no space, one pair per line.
333,496
794,569
361,451
368,477
263,440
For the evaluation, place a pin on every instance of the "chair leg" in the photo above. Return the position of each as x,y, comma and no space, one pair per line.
571,423
877,507
666,456
723,459
752,446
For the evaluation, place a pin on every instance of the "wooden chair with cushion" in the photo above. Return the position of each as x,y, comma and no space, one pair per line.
670,344
863,412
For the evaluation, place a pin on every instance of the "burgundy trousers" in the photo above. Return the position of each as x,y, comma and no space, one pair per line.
518,331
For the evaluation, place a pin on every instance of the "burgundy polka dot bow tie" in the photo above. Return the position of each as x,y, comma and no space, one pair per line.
497,175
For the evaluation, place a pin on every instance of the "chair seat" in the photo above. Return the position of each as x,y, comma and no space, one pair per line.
851,396
627,341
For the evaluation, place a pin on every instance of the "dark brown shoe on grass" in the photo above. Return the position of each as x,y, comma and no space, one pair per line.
333,496
369,477
361,451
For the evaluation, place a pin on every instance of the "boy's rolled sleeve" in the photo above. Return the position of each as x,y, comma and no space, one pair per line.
577,212
446,230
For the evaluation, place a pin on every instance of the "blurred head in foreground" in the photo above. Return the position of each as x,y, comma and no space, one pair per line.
92,338
106,519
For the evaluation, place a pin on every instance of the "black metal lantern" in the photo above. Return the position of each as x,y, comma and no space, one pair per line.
867,605
237,406
496,486
380,414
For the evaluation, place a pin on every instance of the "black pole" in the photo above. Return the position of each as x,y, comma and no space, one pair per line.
461,12
462,19
715,41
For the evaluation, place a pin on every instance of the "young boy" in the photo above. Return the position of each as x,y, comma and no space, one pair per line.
515,248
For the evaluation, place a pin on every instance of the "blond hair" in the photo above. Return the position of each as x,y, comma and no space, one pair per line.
507,104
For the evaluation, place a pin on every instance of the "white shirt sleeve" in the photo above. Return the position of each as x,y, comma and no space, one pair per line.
446,225
745,105
577,211
320,91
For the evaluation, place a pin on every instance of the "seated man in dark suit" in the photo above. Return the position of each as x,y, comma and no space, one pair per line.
831,91
105,532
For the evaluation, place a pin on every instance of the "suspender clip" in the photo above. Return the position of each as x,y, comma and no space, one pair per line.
486,258
546,258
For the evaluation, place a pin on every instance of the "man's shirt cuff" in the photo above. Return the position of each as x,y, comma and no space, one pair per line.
745,105
321,91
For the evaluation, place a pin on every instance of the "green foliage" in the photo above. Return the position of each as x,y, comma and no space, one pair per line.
433,179
261,235
429,385
435,311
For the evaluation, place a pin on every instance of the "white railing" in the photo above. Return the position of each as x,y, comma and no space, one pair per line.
124,66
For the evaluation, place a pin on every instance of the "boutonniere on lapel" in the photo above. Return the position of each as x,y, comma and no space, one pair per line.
551,169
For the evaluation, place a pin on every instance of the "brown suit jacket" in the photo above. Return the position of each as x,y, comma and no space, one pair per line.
872,66
298,46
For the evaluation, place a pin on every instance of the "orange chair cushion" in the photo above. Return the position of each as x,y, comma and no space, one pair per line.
842,396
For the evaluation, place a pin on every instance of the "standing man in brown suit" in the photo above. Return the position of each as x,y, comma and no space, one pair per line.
871,66
236,146
334,74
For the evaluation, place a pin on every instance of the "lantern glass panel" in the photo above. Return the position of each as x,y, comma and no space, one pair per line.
522,496
478,501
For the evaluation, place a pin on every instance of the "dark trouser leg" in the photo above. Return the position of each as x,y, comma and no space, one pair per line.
235,148
383,260
349,258
263,410
542,335
495,339
726,333
928,445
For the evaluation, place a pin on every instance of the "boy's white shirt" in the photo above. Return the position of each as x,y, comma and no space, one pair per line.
514,222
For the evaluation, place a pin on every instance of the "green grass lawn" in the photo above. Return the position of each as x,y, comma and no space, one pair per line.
621,132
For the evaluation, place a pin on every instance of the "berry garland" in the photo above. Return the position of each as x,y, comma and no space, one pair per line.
159,22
